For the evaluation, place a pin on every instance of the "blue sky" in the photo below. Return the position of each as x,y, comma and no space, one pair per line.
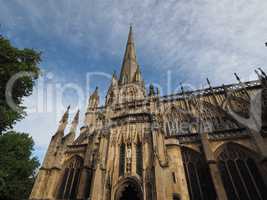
187,39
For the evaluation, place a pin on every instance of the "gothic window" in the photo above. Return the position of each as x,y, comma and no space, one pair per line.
197,175
240,174
122,159
64,179
139,159
129,158
175,197
70,179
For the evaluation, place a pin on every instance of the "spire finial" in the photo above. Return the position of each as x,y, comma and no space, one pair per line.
151,90
182,87
114,75
65,115
95,93
208,81
263,73
258,74
237,77
76,117
130,35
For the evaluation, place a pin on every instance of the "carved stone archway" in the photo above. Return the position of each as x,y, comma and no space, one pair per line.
129,189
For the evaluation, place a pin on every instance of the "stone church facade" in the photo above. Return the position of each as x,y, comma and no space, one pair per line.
200,145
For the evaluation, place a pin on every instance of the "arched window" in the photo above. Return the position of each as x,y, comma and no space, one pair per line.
139,159
240,173
70,179
197,175
176,197
122,159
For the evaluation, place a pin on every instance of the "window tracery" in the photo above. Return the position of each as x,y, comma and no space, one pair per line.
70,180
197,175
240,174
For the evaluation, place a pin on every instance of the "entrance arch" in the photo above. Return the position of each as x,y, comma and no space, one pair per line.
129,189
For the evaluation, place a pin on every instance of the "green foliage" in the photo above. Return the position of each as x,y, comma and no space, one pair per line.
17,166
12,62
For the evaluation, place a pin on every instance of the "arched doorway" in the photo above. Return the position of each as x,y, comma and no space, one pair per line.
129,189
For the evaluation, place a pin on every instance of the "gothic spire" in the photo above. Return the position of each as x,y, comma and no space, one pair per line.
93,100
64,121
75,122
65,115
114,79
76,117
129,64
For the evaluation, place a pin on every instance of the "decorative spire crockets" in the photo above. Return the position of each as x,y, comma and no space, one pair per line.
94,100
75,122
65,115
114,80
130,71
64,121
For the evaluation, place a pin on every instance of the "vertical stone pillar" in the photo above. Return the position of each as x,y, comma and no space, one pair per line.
133,159
37,190
86,173
258,139
182,177
85,183
147,162
52,183
116,163
163,191
99,176
214,171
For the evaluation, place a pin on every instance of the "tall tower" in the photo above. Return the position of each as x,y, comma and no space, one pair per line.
130,84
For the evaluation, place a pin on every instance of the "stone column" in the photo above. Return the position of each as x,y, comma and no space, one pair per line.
133,159
146,164
182,177
37,190
87,172
214,171
99,176
258,139
52,183
85,183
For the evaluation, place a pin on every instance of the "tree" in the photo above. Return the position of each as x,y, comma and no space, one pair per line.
17,166
12,62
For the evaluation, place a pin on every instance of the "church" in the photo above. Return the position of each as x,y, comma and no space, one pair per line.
204,144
